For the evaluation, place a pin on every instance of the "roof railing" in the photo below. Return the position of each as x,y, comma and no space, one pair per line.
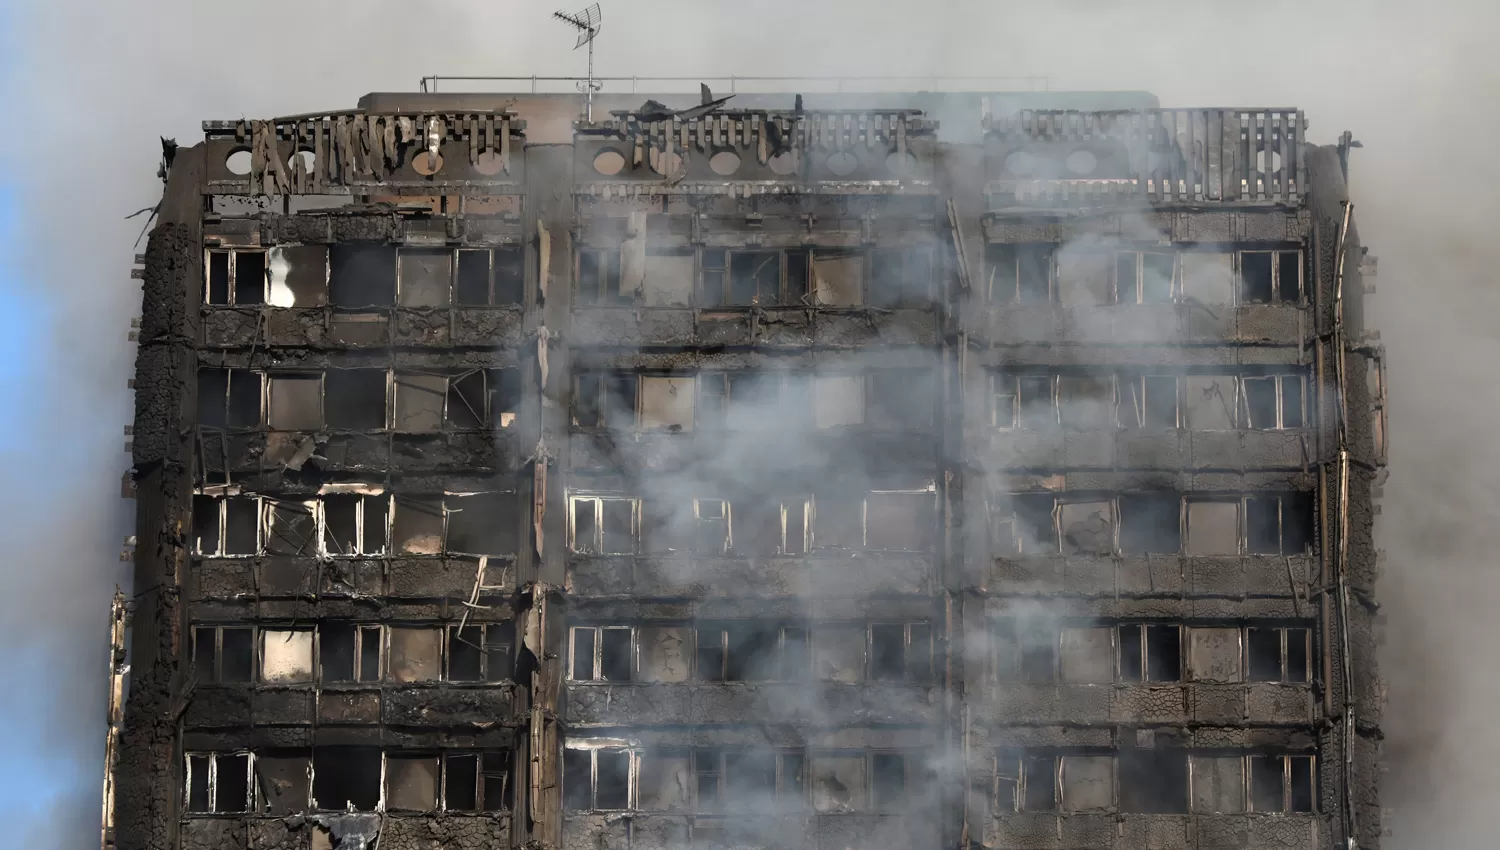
732,83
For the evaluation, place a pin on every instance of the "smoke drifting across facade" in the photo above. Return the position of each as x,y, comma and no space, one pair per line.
894,471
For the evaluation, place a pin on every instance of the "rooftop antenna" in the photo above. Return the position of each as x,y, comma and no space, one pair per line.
587,24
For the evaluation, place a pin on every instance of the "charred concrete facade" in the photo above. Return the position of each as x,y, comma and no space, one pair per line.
780,477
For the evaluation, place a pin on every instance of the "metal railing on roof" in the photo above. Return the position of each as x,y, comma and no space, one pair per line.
734,81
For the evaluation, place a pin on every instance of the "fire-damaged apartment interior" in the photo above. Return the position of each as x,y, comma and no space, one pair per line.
852,472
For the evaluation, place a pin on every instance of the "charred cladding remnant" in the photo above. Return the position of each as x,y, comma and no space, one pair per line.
781,477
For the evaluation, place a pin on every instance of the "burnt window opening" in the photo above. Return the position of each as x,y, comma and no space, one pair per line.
602,653
236,278
483,523
1149,401
605,400
1146,277
411,782
286,655
711,527
1150,523
901,652
424,277
903,398
749,651
746,780
1025,651
1150,652
837,276
417,526
600,525
355,524
350,652
1025,782
480,652
1086,400
294,401
476,782
666,403
752,401
297,276
1154,781
763,528
888,780
1033,399
901,521
226,525
483,398
596,779
900,277
418,404
1279,654
1270,277
838,521
1282,783
751,278
355,399
346,778
599,278
224,654
1024,524
1278,524
838,400
229,398
490,277
413,654
1020,274
219,783
1273,402
361,275
291,528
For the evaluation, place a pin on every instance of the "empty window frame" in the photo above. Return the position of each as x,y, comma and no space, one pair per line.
1273,402
424,277
1278,523
902,398
224,654
361,275
482,523
1025,782
901,520
1021,274
1025,649
747,780
355,399
750,400
1268,277
666,402
483,399
761,527
226,525
603,525
294,401
900,652
476,782
1146,277
229,398
900,277
1150,523
1023,524
598,779
749,651
1149,652
286,655
1212,527
297,276
355,524
753,278
417,525
490,277
1279,654
479,652
605,400
599,278
1282,783
288,527
1153,781
1149,401
854,781
235,277
219,783
1023,401
601,653
419,402
350,652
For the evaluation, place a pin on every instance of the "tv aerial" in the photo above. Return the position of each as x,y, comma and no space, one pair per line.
588,26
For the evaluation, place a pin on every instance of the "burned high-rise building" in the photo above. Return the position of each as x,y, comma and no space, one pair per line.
911,470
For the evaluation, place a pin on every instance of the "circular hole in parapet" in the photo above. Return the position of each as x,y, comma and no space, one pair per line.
1020,163
724,163
427,163
238,162
1082,162
783,163
609,162
308,159
489,163
666,163
901,164
842,163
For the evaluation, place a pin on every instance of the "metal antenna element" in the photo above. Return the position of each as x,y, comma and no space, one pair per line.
588,26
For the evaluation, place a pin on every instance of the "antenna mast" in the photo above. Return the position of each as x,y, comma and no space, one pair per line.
588,26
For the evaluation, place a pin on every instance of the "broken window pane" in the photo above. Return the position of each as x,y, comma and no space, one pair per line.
1024,651
282,782
839,522
618,528
1150,523
709,654
664,782
361,275
415,654
585,649
418,526
1210,401
471,286
669,278
345,777
663,653
901,277
1263,646
1088,783
425,278
1037,409
466,401
249,277
1263,525
336,652
199,774
419,401
614,654
213,395
1298,655
1150,653
667,403
1039,793
1297,523
902,397
1267,783
1157,278
355,399
887,780
838,782
1088,528
1289,276
411,783
1036,525
1034,274
482,523
1085,401
1301,784
290,528
465,654
1255,277
1208,278
900,521
1291,401
1218,784
1001,263
887,652
298,276
838,400
1003,406
232,782
838,277
599,278
1213,528
1083,279
461,782
504,388
577,782
839,653
1154,781
286,656
218,278
206,525
241,525
296,402
1260,402
1214,654
1087,655
236,656
612,786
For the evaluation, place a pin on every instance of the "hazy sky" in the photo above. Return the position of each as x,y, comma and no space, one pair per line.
91,85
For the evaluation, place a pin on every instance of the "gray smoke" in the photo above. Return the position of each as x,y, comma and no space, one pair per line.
92,85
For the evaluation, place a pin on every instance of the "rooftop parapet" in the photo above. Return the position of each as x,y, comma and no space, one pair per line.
1153,156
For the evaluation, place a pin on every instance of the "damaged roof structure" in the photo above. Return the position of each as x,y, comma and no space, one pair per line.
899,471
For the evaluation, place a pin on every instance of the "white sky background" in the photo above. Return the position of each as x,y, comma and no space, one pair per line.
96,83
